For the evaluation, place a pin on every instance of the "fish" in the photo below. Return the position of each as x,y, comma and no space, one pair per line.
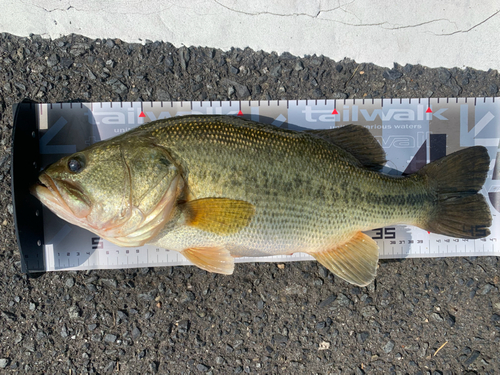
215,188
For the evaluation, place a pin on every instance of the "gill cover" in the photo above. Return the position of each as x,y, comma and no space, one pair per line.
155,184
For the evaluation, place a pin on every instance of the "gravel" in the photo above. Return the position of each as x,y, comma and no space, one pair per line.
387,348
4,362
70,282
203,368
136,332
392,74
110,338
182,320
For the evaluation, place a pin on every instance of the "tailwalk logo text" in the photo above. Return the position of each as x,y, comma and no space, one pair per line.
354,114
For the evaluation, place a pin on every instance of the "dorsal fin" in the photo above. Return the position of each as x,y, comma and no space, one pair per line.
358,141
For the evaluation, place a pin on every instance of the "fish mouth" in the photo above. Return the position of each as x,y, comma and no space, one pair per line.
53,194
46,190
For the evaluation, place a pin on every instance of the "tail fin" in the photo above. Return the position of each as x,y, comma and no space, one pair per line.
455,181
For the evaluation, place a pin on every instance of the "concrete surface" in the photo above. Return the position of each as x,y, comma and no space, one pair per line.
446,33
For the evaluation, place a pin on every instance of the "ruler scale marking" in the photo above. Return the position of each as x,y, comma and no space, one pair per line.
396,117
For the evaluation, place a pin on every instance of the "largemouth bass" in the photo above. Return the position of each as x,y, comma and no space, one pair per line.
218,187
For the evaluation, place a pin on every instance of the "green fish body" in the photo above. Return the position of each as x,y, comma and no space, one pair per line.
218,187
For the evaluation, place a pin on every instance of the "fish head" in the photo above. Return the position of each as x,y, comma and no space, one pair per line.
124,191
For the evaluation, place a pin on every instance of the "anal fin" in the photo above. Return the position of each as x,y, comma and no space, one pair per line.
215,259
355,261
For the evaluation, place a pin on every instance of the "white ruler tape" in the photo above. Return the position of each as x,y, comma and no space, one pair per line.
413,132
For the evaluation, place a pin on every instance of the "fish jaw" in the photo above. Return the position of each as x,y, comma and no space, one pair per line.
71,206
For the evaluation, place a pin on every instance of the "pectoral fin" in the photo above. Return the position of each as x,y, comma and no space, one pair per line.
218,215
355,261
211,259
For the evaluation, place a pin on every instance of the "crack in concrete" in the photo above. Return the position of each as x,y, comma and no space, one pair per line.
348,12
384,25
315,16
50,10
53,10
95,10
471,28
420,24
284,15
340,7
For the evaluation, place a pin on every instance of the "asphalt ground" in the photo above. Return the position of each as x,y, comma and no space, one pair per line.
420,316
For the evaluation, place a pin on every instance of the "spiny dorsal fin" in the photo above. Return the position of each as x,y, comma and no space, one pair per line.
218,215
358,141
356,261
212,259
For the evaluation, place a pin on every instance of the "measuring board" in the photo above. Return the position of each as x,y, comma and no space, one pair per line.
413,132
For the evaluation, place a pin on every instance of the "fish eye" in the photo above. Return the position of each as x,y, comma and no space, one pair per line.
76,164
